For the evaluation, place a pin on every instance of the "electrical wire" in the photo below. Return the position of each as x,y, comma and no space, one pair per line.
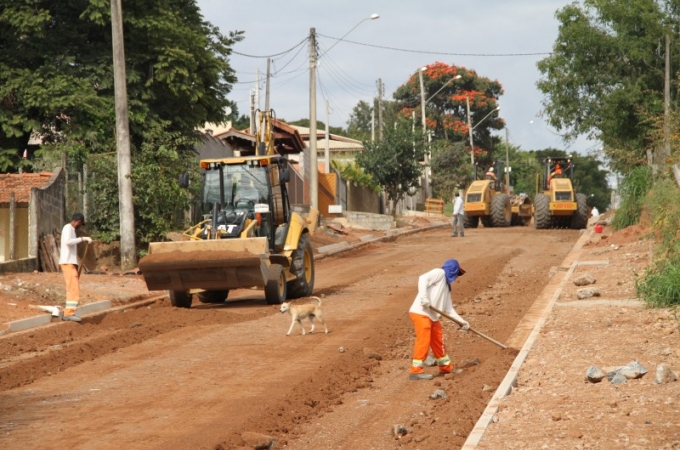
428,52
273,55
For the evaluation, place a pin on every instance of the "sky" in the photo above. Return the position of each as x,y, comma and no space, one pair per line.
406,36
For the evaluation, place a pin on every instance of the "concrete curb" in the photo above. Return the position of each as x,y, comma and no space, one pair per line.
510,380
390,235
105,307
86,311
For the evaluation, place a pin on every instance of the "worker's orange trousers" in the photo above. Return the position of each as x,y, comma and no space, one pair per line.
70,272
429,334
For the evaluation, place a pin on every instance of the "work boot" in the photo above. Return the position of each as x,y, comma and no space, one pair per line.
70,315
420,376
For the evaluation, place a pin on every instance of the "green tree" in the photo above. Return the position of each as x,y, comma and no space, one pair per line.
56,79
56,74
394,162
606,73
359,123
450,168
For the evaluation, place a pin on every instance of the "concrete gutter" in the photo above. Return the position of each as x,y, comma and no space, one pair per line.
104,307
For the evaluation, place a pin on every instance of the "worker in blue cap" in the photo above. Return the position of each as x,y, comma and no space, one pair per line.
434,289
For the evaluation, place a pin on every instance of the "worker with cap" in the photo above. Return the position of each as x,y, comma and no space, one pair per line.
557,173
68,261
434,289
490,175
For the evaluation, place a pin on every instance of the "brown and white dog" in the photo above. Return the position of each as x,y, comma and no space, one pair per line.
299,312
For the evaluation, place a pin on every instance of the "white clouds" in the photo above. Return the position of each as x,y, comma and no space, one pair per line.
348,73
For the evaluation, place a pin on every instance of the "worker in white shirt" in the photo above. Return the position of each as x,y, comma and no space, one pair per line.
68,261
458,215
434,289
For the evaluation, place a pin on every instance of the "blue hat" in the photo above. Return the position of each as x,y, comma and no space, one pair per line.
451,269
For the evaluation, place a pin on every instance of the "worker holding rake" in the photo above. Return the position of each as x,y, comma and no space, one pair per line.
434,289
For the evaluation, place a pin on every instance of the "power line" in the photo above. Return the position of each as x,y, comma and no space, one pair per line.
275,54
436,53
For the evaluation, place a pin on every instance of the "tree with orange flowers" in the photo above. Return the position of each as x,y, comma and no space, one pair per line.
446,108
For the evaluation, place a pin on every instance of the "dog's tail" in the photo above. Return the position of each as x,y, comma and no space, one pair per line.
318,300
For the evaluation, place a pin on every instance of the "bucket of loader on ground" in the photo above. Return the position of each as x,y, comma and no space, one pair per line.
210,264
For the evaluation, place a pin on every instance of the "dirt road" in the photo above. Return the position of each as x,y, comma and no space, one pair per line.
227,376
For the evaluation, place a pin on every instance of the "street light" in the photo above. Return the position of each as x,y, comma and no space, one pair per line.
314,170
471,129
422,113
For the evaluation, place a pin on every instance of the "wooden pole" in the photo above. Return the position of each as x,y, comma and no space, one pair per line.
471,329
82,261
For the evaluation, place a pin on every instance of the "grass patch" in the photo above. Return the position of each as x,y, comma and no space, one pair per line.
660,287
633,189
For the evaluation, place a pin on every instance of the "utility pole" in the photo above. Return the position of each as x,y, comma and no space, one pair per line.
257,89
252,112
380,115
327,152
666,152
373,125
128,253
266,87
313,168
507,162
422,113
472,145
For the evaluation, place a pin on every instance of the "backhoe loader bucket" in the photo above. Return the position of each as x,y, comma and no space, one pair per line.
216,264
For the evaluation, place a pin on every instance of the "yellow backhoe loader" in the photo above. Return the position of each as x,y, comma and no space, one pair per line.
250,236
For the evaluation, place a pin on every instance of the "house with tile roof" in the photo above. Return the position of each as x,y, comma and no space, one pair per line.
31,205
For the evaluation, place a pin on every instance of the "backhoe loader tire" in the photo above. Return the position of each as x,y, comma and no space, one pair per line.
470,221
302,266
275,288
212,296
580,218
180,299
542,219
501,211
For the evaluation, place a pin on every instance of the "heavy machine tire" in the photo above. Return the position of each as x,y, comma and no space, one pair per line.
470,221
542,218
486,221
501,211
275,289
180,299
302,266
212,296
580,218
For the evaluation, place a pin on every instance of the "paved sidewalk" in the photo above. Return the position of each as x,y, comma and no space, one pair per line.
545,401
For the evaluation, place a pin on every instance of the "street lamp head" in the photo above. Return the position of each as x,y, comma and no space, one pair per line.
457,77
423,69
375,16
497,109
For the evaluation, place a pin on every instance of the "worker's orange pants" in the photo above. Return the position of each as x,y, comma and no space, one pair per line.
70,272
429,334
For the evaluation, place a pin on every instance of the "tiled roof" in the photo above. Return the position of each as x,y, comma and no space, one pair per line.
21,184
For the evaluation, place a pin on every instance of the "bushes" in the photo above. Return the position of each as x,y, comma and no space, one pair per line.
660,287
633,189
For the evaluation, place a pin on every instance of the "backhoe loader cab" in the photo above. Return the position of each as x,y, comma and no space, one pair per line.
557,205
249,237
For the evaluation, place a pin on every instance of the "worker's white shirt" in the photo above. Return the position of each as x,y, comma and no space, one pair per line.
69,245
433,290
595,212
458,205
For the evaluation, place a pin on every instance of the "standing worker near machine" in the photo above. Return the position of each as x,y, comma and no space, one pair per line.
434,289
68,261
458,216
